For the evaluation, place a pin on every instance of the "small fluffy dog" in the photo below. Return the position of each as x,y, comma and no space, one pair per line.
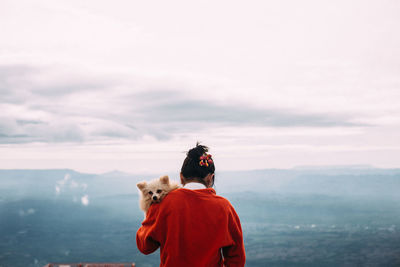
154,191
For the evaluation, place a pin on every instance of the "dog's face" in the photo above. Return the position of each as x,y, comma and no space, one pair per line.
155,190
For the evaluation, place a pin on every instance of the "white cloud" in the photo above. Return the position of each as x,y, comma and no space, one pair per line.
31,211
68,186
85,200
94,110
27,212
88,83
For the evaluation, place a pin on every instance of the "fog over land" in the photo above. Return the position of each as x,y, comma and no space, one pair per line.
330,216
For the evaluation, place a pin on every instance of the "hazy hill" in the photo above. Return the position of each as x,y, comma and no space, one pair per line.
351,181
336,181
308,216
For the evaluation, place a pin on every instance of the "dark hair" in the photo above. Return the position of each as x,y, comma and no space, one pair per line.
191,168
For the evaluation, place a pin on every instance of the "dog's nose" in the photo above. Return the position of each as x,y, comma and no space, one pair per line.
154,198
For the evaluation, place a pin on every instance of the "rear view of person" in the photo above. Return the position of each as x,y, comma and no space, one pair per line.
192,225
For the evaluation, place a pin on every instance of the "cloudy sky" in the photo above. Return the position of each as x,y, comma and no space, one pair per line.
130,85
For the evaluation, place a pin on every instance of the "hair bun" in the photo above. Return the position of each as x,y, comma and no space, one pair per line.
197,165
196,152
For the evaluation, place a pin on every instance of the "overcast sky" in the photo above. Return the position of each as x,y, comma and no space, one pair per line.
130,85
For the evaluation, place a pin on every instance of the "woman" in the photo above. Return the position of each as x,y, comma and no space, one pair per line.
192,225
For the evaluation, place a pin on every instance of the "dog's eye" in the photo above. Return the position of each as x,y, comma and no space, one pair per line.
150,192
158,191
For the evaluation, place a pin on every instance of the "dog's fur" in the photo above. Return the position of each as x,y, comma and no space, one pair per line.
154,191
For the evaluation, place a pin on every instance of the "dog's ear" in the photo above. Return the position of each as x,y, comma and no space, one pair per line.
141,185
164,179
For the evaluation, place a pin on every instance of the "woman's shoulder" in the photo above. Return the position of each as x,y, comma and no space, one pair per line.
208,194
188,193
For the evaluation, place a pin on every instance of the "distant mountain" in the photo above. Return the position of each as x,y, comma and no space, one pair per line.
350,181
336,180
63,183
332,167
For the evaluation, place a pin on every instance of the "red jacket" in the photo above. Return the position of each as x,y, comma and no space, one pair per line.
193,228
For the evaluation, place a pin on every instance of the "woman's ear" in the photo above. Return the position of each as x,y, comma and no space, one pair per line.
209,179
183,182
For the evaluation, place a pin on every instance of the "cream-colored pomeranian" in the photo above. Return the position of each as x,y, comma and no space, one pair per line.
154,191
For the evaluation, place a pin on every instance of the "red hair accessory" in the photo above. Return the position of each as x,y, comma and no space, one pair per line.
205,160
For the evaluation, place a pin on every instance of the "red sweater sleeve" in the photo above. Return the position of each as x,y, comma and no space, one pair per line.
146,236
234,255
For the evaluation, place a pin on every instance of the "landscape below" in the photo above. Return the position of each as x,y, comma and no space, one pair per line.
343,216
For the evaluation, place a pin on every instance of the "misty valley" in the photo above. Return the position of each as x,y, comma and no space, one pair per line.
297,217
